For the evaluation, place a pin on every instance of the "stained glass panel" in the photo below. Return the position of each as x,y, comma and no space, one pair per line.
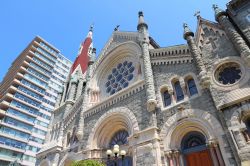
120,77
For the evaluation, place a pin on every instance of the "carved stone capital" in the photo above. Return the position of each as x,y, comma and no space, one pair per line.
151,105
204,79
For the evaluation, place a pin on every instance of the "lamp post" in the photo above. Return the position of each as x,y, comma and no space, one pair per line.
114,155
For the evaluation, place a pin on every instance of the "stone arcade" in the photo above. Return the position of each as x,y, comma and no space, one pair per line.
173,106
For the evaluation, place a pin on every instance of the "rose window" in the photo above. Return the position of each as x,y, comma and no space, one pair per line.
228,73
120,77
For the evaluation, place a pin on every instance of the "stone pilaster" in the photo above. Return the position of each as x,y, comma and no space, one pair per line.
59,99
148,73
71,97
72,90
213,153
79,88
189,36
56,159
80,127
232,33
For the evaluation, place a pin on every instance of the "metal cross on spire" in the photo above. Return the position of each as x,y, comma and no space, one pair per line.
197,14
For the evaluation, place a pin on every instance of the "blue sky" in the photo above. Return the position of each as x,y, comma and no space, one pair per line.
65,23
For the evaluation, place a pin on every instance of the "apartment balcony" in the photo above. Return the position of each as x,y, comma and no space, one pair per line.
7,104
4,157
32,143
30,153
14,127
27,163
27,87
19,76
13,137
37,44
4,146
32,54
19,119
2,113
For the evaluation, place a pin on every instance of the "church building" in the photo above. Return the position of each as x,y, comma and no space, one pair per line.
182,105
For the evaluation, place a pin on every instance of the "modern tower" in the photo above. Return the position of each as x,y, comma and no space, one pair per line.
28,95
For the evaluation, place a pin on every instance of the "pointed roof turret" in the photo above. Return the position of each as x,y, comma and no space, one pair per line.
218,12
187,31
141,21
84,53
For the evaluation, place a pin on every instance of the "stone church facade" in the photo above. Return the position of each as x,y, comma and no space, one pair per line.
166,106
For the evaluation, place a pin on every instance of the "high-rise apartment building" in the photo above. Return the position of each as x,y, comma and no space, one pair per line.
28,94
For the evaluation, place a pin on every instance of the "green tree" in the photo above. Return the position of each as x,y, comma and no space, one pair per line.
87,163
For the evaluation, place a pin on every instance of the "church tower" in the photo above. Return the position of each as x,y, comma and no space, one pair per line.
75,83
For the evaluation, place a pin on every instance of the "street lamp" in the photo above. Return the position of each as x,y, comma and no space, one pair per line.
116,151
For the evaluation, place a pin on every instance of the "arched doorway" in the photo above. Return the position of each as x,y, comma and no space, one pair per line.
195,151
120,138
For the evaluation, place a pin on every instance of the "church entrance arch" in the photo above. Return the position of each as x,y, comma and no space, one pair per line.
195,151
191,134
114,127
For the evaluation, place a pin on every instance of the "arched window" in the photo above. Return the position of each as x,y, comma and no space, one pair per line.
178,91
247,123
192,140
119,138
166,98
192,87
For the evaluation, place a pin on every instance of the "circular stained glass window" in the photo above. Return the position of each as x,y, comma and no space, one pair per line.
119,77
228,73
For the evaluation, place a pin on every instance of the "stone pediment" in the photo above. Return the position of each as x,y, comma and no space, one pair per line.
205,28
116,38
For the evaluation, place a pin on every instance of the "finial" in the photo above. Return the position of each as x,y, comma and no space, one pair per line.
140,13
187,31
91,27
141,21
117,28
215,6
218,12
197,14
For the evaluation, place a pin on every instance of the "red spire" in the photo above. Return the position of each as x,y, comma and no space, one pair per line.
84,53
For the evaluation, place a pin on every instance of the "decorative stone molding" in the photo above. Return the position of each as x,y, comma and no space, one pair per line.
245,76
171,61
121,95
121,114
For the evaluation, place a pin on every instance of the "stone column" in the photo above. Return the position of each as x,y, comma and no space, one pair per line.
59,98
170,158
48,135
183,87
79,88
189,36
80,127
213,153
72,90
232,33
148,73
56,159
177,157
218,154
171,93
71,97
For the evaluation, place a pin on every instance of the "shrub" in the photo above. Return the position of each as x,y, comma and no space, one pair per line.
87,163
